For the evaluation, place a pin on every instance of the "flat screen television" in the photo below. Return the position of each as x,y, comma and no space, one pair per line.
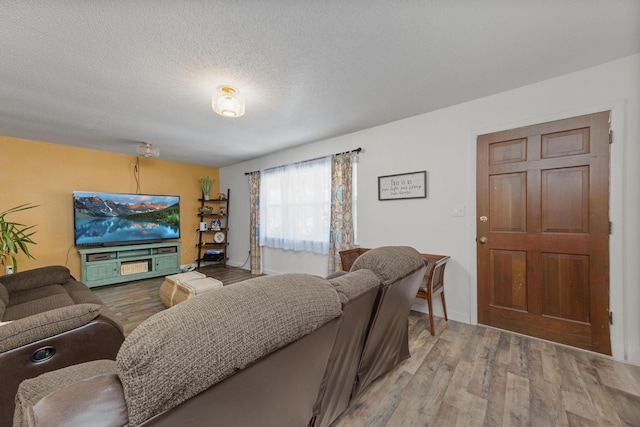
110,219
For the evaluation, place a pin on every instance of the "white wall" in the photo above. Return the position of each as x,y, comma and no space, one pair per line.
443,143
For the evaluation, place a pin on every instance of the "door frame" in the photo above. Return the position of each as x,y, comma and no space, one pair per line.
616,214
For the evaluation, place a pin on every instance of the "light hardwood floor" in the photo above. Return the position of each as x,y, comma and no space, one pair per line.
465,375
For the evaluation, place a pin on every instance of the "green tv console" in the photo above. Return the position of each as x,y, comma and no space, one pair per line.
117,264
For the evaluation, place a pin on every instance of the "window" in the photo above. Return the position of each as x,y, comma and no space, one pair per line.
295,204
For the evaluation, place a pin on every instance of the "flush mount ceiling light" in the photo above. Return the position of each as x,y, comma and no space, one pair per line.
147,149
227,102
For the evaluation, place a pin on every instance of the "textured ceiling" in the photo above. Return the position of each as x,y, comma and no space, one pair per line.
110,74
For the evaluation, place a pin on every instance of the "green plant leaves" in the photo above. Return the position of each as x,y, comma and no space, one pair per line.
15,237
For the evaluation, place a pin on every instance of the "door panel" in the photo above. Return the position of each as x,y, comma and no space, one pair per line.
543,248
509,274
508,151
508,202
565,280
569,143
565,200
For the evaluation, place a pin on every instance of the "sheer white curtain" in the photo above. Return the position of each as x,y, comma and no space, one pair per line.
295,206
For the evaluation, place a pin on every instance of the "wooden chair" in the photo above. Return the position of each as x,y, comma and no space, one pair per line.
433,284
349,256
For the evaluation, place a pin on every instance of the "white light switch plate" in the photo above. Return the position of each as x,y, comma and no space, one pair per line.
457,210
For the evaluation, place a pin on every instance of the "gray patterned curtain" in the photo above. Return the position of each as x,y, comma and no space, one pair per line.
341,236
254,227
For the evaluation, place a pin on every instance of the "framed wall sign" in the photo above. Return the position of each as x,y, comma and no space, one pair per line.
403,186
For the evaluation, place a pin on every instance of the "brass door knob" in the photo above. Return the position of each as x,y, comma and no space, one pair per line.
482,240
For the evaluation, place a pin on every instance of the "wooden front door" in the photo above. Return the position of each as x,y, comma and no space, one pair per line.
543,231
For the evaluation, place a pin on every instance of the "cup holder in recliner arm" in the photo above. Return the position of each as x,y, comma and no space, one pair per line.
43,354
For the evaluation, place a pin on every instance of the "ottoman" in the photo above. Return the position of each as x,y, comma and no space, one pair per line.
179,287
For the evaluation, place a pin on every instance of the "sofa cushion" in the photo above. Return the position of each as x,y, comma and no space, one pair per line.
350,285
53,322
4,300
17,298
216,334
4,295
34,389
80,293
36,278
74,286
102,399
390,263
30,308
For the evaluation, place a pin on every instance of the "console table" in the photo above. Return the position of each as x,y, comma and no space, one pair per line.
117,264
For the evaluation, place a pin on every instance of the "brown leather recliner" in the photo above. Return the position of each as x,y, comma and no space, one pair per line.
49,321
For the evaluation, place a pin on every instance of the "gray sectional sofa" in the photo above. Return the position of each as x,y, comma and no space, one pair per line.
284,350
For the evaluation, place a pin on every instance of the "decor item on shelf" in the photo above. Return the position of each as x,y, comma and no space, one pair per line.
206,210
147,149
222,211
221,196
212,255
205,184
227,102
15,237
216,224
219,237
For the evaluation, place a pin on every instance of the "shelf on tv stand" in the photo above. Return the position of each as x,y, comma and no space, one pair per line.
118,264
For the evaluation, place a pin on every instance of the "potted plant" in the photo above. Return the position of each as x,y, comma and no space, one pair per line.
205,184
14,237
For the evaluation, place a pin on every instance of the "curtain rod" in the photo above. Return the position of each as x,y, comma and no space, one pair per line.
355,150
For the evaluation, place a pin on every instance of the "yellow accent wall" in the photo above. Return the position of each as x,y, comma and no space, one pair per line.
46,174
